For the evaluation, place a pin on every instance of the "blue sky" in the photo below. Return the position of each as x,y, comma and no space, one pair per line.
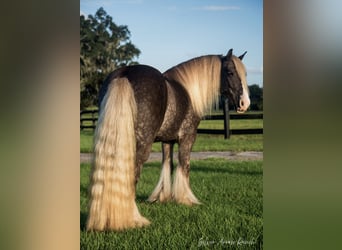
169,32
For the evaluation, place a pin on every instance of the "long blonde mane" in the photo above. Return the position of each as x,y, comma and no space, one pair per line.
201,78
241,70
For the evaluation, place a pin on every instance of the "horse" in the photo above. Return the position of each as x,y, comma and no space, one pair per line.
140,105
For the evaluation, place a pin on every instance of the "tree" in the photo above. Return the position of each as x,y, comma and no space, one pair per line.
105,46
256,97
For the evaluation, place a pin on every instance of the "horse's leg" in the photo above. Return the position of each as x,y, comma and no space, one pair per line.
181,186
162,191
143,152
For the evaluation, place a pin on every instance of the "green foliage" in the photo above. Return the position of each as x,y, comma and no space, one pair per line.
256,96
105,46
231,215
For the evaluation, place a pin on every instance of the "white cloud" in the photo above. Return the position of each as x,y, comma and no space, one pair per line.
82,13
218,8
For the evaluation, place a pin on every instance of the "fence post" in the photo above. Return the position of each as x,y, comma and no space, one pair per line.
226,118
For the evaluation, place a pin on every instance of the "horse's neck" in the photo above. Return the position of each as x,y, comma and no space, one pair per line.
201,78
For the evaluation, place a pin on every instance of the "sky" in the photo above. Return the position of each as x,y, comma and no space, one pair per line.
169,32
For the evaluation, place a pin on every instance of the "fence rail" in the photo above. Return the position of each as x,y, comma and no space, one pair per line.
93,118
226,131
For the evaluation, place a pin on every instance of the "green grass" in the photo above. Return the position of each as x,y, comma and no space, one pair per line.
206,142
231,215
203,143
234,124
236,143
86,140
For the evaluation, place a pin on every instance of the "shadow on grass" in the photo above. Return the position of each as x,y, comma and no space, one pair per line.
83,220
226,171
142,198
84,189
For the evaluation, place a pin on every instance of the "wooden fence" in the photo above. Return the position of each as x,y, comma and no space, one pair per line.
90,116
227,131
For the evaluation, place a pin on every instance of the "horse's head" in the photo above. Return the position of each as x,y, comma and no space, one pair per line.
233,81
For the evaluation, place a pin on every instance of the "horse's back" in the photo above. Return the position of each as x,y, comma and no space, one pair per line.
141,77
150,93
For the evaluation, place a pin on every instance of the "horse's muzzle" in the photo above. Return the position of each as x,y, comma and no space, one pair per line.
244,103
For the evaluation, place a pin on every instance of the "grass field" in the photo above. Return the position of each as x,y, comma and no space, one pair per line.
206,142
231,215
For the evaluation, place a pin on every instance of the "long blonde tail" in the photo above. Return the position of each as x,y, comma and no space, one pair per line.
112,191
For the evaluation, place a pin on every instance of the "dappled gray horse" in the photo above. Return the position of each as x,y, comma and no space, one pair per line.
140,105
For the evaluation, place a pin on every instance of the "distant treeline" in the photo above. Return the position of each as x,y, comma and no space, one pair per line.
256,96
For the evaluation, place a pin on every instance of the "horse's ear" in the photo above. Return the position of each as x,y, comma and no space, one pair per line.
241,57
229,54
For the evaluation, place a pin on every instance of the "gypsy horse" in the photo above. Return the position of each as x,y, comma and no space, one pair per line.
140,105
